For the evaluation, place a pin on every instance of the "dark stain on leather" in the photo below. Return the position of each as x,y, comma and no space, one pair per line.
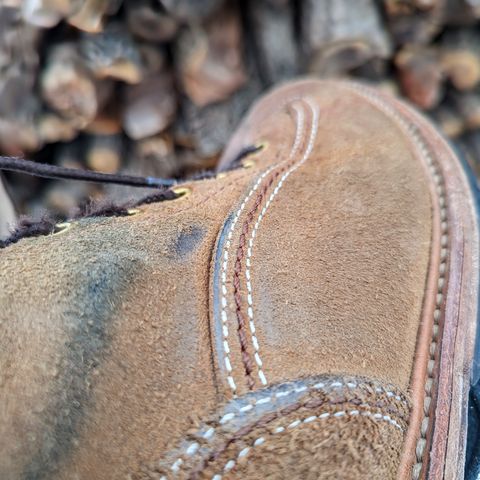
187,241
87,322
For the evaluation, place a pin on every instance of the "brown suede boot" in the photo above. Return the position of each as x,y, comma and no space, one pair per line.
310,315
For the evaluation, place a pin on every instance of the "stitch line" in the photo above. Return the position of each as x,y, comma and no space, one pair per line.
440,189
211,194
241,253
248,261
375,416
224,302
229,417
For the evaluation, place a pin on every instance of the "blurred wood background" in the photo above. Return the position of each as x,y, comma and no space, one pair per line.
156,87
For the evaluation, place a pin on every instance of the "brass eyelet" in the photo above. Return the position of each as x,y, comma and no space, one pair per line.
250,162
61,228
181,192
221,175
133,211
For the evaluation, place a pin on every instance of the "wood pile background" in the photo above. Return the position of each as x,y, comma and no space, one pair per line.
156,87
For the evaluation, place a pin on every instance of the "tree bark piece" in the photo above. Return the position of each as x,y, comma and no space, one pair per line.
340,35
209,59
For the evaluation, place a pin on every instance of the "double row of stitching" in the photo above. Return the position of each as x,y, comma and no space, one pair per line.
377,416
223,286
225,260
390,402
437,177
286,170
376,412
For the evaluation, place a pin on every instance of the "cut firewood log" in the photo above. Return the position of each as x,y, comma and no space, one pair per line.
149,107
69,88
112,54
90,16
107,121
19,110
52,128
146,20
8,215
64,197
208,129
155,156
71,154
375,69
460,58
44,13
191,10
209,59
469,144
339,36
153,58
277,52
420,76
48,13
104,153
461,12
414,22
467,105
449,120
19,104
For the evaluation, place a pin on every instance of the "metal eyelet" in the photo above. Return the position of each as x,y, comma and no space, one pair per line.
133,211
181,192
61,228
250,162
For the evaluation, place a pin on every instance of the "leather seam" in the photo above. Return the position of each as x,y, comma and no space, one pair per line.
436,175
312,402
376,416
282,413
286,170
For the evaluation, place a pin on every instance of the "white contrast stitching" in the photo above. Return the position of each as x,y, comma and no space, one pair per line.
377,416
227,418
248,262
224,303
438,179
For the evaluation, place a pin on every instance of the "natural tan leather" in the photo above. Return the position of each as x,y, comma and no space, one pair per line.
274,323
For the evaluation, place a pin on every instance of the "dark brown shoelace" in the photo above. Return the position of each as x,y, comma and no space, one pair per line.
27,227
52,171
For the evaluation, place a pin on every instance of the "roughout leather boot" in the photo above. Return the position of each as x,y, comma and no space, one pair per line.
309,315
